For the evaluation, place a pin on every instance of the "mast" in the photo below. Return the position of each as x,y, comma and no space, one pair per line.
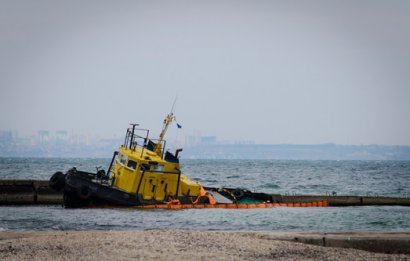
158,148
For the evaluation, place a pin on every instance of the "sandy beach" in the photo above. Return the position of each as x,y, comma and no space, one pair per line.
171,245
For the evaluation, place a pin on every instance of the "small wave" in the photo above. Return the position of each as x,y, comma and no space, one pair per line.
299,187
233,177
211,180
270,185
376,223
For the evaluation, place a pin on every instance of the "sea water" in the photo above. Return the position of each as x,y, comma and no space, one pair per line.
366,178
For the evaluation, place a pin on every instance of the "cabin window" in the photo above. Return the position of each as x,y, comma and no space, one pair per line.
132,164
123,159
158,167
144,167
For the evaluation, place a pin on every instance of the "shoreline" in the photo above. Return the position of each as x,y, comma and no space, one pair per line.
201,244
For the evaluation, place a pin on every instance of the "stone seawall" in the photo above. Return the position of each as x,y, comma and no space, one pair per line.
31,192
28,192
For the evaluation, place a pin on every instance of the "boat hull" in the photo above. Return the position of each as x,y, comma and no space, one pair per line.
84,189
81,190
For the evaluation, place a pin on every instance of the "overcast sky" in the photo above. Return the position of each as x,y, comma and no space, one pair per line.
298,72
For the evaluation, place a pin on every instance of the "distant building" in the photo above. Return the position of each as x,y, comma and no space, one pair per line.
191,141
43,136
7,137
61,137
208,140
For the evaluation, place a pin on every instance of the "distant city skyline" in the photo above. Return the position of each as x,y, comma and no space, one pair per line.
72,145
272,72
44,136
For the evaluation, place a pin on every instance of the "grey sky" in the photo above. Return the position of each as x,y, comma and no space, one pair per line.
269,71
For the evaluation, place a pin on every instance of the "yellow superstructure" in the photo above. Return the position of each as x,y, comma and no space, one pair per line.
146,171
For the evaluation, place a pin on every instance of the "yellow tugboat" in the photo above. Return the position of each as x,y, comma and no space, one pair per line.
143,174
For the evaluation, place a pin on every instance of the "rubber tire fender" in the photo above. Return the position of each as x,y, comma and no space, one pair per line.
238,193
84,192
57,181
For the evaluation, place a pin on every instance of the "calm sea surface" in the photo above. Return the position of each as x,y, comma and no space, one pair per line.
376,178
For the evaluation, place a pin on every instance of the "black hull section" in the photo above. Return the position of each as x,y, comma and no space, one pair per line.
83,189
80,191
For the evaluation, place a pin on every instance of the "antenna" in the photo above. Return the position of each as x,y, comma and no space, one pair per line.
173,105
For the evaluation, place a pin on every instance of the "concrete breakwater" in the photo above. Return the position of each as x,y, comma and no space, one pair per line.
30,192
382,242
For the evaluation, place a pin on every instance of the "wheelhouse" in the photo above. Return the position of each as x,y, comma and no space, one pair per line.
142,166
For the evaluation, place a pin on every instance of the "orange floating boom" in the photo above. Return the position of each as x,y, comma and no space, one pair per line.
232,205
